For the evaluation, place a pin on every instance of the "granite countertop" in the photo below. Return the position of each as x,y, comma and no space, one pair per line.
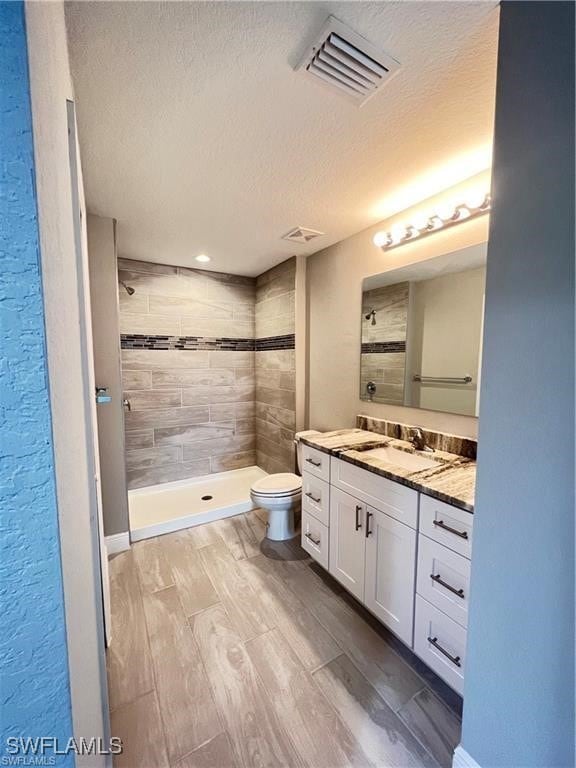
452,481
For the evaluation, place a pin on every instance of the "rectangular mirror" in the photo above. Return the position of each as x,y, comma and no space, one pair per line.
422,333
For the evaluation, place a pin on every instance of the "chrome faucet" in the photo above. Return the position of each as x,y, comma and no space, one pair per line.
418,440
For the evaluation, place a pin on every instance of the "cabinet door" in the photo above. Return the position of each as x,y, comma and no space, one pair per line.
347,542
391,573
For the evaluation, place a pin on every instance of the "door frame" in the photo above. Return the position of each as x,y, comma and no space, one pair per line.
88,375
63,266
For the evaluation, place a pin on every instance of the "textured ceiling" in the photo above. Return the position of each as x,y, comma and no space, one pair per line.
198,136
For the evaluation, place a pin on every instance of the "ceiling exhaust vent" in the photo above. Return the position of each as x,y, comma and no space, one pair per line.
348,62
301,235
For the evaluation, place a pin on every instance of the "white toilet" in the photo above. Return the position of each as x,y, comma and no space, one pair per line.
281,495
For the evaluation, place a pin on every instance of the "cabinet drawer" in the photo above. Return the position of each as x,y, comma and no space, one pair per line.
440,643
443,579
394,499
316,462
316,497
315,539
447,525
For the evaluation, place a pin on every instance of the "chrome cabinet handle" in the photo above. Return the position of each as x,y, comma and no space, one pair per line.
317,500
436,577
314,463
127,404
454,659
368,516
312,539
358,521
442,524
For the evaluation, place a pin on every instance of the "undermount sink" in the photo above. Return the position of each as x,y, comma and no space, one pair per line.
403,459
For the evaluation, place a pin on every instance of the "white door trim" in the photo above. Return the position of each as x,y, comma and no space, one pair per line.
462,759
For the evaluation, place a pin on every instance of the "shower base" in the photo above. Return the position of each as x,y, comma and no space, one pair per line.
169,507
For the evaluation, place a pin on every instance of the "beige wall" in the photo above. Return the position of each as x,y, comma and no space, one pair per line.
64,279
446,318
192,410
276,367
334,305
104,301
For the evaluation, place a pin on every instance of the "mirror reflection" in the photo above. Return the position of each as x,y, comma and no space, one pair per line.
422,333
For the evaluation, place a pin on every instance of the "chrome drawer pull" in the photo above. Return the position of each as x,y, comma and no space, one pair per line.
442,524
454,659
436,577
317,500
312,539
314,463
368,516
358,521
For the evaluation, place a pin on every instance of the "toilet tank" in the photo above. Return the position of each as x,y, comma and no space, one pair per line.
297,436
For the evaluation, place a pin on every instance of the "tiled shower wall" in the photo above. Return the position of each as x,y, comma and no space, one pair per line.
383,358
275,368
187,370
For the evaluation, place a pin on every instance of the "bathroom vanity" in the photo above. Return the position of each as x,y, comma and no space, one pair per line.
394,526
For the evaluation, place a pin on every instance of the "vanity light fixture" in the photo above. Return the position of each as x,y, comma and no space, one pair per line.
446,216
203,259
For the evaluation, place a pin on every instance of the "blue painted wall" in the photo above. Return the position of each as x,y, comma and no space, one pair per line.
34,690
519,691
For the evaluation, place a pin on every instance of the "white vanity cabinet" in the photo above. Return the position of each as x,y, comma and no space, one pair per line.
390,573
347,554
379,529
443,588
404,555
373,556
392,498
315,538
315,462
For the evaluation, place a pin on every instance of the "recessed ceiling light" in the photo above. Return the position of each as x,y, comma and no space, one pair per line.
203,258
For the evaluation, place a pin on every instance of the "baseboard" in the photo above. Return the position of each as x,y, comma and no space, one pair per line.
119,542
462,759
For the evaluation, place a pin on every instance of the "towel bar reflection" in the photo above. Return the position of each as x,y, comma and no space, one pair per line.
443,379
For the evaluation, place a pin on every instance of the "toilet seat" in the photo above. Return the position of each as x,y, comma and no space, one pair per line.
281,484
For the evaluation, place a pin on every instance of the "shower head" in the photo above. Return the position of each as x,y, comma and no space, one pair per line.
128,288
371,314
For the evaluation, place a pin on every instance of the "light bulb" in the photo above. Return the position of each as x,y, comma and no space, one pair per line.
420,221
475,199
446,211
381,239
398,233
203,258
435,222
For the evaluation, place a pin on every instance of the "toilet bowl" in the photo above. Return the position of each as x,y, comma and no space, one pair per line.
280,495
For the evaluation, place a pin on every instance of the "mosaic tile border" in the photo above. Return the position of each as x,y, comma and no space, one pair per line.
461,446
275,342
383,347
148,341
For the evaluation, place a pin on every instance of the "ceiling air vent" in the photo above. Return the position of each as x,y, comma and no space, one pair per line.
301,235
346,61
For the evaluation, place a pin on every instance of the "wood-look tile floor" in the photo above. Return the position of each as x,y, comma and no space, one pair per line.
231,650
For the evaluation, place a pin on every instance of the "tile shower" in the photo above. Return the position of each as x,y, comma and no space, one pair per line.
208,368
384,332
187,339
275,368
